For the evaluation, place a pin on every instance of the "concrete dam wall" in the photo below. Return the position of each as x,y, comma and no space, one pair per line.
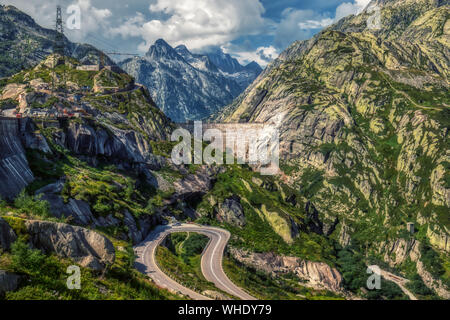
15,173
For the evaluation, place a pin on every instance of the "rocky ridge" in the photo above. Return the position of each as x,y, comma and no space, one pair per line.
363,120
187,86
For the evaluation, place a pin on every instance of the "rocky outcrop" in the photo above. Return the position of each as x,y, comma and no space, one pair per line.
231,212
317,275
281,223
138,229
396,252
86,247
431,282
439,239
120,145
193,185
8,282
15,173
7,235
78,211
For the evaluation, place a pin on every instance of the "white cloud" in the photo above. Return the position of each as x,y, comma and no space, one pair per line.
315,24
348,8
262,55
302,24
197,23
93,19
299,25
131,27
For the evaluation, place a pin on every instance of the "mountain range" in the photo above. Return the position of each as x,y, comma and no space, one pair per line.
189,86
364,176
363,116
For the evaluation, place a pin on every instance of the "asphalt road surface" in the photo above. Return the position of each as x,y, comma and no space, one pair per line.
400,282
211,260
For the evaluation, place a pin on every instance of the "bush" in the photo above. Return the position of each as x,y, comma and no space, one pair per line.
32,205
388,291
25,259
3,205
353,269
194,245
418,286
432,261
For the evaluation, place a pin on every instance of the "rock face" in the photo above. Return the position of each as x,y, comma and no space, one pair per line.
317,275
86,247
194,185
231,212
431,282
19,30
231,68
123,146
8,282
187,86
396,252
7,235
361,134
15,173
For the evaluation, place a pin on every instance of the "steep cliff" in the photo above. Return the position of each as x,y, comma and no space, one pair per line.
15,173
363,117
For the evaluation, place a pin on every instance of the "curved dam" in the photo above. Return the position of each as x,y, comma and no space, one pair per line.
15,173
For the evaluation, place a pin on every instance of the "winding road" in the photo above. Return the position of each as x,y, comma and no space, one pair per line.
211,262
401,282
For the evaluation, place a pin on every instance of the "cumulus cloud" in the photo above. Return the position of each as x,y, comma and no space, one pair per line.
302,24
130,27
262,55
348,8
197,23
93,19
299,25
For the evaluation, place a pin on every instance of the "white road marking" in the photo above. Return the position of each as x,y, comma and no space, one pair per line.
153,271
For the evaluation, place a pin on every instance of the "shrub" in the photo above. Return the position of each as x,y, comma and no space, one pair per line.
194,245
3,205
418,286
32,205
25,259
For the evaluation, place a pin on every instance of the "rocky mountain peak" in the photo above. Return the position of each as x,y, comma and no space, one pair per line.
161,49
225,62
187,85
182,49
253,66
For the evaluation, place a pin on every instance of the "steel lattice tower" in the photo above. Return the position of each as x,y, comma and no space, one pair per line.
59,45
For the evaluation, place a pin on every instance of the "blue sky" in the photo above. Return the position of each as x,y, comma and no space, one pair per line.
248,29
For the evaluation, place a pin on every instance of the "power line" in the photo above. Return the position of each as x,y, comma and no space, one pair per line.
59,46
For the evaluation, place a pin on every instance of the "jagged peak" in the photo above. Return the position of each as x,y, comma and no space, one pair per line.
253,66
161,49
183,51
